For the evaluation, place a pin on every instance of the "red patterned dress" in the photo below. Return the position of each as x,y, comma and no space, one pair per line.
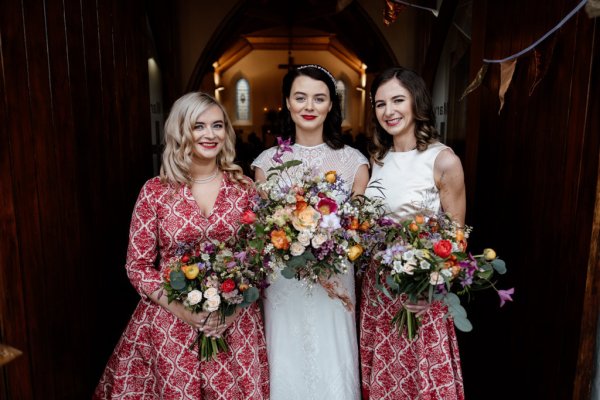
152,359
393,368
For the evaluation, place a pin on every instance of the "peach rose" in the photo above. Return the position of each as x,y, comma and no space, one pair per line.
305,220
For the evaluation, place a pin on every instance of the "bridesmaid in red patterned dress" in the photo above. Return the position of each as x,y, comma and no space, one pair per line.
416,171
199,195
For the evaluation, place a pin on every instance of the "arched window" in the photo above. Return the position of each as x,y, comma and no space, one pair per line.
242,100
340,88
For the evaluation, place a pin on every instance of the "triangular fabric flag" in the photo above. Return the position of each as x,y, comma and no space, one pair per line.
476,82
392,9
542,56
8,354
507,69
592,8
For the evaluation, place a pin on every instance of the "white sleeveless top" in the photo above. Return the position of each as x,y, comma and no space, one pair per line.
407,181
311,339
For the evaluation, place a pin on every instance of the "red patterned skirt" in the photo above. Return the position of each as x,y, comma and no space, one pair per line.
393,368
152,360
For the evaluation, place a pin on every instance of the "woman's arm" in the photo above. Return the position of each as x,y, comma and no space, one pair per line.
361,180
450,180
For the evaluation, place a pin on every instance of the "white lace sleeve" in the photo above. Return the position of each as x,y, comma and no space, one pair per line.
264,160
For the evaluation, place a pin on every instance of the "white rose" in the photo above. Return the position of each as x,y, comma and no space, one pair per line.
194,297
318,240
304,238
297,249
435,278
212,304
211,292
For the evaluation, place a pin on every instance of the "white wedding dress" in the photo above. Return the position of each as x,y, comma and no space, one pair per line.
311,338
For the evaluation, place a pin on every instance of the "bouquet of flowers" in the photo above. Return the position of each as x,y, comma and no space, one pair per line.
212,277
306,224
426,259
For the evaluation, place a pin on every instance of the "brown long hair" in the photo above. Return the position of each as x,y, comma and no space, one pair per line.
425,130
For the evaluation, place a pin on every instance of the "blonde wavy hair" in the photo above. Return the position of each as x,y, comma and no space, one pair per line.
179,141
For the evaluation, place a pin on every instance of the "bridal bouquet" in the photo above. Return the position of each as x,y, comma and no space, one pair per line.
212,277
306,225
426,259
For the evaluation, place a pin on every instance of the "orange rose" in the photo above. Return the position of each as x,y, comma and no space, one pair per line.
355,252
279,240
330,176
419,219
364,226
354,224
300,203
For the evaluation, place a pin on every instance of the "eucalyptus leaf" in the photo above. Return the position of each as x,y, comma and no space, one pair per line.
385,291
499,265
463,324
451,299
457,310
391,283
251,295
288,272
177,280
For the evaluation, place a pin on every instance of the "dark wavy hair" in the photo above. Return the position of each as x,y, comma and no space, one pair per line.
332,127
425,130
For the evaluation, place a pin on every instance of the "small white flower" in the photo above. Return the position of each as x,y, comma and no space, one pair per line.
397,266
194,297
424,264
330,221
446,272
409,268
205,257
408,255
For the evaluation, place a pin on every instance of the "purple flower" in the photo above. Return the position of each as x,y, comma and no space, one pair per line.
505,295
240,255
282,147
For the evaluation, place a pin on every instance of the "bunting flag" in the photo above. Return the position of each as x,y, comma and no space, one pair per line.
507,64
507,69
391,12
8,354
541,62
429,5
476,82
593,8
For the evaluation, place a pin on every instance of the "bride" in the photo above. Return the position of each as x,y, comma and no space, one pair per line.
311,338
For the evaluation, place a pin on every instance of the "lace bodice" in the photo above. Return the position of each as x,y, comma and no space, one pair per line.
322,158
